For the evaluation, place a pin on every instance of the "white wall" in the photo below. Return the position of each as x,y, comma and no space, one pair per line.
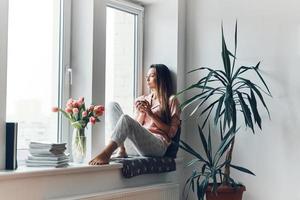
268,31
98,87
161,35
3,62
88,61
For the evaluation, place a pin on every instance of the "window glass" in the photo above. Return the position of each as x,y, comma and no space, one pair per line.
33,69
120,59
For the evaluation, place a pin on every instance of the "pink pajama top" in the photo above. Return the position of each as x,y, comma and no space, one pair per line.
147,122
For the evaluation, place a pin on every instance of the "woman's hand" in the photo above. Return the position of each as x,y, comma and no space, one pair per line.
139,106
144,107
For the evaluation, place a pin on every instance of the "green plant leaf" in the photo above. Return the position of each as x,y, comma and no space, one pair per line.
246,111
206,119
217,73
223,164
202,189
253,105
194,86
203,141
76,125
191,100
203,168
253,87
208,107
225,57
189,181
233,114
243,69
204,100
242,169
209,147
190,150
65,114
228,107
192,162
235,47
218,110
243,85
261,78
225,143
210,74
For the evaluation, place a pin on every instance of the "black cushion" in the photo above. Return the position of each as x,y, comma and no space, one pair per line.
134,166
174,146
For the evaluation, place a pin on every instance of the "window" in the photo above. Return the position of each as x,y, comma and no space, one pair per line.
123,54
34,70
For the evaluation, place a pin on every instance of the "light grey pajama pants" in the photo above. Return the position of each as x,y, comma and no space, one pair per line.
123,127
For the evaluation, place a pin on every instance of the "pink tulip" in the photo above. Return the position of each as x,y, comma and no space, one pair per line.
93,120
98,113
78,103
74,104
55,109
69,110
70,102
91,108
75,110
101,108
84,113
81,100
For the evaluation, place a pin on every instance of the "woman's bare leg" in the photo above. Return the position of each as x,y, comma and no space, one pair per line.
104,156
122,152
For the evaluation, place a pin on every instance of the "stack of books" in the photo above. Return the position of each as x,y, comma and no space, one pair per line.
47,155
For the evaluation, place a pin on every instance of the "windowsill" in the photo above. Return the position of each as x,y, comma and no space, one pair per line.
28,172
75,180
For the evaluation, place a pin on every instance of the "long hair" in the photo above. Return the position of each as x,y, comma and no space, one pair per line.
164,89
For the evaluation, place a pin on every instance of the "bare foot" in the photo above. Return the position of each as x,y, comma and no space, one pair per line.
122,154
101,159
104,156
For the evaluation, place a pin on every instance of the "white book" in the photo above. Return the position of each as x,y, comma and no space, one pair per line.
47,161
46,145
45,151
46,165
50,155
48,149
60,157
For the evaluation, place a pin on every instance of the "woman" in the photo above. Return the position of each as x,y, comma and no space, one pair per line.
156,122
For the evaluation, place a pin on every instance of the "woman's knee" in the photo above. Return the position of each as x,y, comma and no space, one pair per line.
113,105
126,118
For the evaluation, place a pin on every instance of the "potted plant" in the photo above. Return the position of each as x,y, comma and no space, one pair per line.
222,95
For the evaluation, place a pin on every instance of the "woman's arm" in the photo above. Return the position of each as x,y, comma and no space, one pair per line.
160,124
171,128
140,117
146,108
139,113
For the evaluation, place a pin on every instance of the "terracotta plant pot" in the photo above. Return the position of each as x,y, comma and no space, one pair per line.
225,193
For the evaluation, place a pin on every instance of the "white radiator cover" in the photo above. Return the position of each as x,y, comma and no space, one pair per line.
167,191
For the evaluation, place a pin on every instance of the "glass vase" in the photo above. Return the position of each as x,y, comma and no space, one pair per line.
78,146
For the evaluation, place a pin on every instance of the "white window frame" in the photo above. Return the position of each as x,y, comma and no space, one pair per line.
64,62
137,10
65,74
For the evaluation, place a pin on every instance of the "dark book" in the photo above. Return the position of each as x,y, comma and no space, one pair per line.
11,145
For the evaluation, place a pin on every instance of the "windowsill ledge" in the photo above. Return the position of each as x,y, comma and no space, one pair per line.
28,172
74,180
